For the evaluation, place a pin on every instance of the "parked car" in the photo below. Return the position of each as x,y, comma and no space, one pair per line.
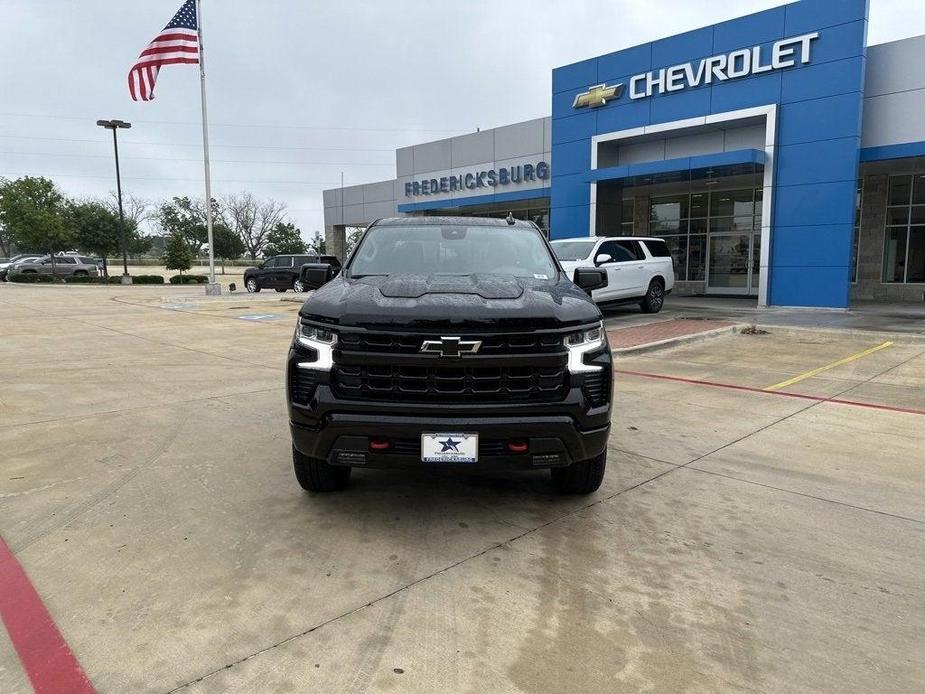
639,269
282,272
21,258
450,341
60,265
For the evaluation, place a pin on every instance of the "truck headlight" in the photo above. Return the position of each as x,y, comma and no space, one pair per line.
581,343
320,341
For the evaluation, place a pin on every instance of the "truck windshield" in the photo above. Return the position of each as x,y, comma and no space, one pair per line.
573,250
453,250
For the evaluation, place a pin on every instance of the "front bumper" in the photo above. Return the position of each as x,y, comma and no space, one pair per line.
557,434
552,441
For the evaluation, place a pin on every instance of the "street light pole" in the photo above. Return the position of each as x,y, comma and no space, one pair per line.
114,125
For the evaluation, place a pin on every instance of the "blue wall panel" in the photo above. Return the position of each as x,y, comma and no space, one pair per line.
812,287
813,246
755,91
819,119
569,221
752,30
818,137
573,157
825,79
634,114
687,104
817,162
812,205
803,17
618,66
682,47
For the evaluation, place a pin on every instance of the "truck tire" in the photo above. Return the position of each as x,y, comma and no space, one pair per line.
583,477
654,299
316,475
252,285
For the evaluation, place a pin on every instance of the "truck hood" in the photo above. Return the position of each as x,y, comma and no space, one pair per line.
430,302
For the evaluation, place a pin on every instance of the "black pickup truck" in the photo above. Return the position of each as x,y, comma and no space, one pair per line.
450,341
282,272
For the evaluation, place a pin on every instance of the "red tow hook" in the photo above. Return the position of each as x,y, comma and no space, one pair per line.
379,444
517,446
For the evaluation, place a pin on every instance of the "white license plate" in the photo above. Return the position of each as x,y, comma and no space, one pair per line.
449,448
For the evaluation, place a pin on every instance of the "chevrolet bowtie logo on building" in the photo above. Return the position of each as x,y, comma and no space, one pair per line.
598,95
451,346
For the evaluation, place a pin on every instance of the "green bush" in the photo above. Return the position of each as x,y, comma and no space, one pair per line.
189,279
147,279
31,278
115,279
82,279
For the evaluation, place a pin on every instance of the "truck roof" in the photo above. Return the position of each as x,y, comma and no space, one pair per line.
446,221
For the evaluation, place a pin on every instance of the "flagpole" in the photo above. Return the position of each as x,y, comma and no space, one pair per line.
213,288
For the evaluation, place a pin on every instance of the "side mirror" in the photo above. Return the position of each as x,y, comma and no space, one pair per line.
590,279
315,275
602,258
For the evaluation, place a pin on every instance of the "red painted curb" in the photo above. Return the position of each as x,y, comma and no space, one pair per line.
749,389
48,661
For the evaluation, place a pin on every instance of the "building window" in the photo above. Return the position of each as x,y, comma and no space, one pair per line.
904,236
627,217
857,231
685,220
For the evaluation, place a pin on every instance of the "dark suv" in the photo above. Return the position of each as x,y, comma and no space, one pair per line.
281,272
450,341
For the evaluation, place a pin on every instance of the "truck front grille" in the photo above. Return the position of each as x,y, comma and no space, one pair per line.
492,345
451,383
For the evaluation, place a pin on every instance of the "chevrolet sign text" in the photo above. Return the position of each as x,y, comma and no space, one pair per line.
719,68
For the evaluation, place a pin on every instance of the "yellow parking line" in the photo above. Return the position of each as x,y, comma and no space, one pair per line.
810,374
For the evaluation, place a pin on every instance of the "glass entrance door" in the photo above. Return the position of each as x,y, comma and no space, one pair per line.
733,263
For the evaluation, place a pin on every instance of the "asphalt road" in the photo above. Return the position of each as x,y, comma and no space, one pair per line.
743,540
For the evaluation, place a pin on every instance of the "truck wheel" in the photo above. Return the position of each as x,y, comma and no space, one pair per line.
654,299
251,285
582,477
298,286
316,475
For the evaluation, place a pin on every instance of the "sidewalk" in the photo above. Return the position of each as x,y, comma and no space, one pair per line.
661,333
878,317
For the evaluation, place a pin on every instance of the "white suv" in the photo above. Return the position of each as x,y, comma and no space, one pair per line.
638,268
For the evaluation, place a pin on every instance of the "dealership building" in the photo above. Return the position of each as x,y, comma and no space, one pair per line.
778,154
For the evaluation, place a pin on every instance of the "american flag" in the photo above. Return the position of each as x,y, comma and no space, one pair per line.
178,43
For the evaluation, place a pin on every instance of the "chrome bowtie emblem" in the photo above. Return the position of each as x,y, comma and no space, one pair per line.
451,346
598,96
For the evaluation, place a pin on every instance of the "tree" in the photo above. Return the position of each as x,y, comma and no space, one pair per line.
187,217
228,244
135,209
32,210
177,253
6,243
97,229
316,245
351,239
252,220
284,238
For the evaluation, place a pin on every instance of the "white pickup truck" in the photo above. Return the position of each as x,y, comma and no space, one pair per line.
639,268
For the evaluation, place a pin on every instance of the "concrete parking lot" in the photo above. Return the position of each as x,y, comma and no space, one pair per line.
749,536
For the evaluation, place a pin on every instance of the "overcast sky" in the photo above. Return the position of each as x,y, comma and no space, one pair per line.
302,91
